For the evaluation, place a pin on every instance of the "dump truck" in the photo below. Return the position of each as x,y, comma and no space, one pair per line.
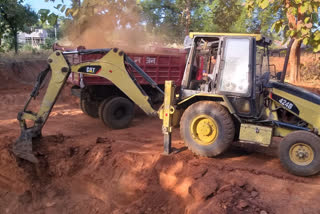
227,94
160,64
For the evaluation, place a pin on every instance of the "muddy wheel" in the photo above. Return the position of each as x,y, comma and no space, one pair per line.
116,112
207,128
89,107
299,152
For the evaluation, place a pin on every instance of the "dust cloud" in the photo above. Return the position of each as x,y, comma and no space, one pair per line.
109,30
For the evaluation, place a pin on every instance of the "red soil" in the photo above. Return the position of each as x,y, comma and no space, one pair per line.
86,167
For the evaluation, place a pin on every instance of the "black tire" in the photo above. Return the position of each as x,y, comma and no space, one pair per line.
89,107
102,104
307,165
116,112
223,123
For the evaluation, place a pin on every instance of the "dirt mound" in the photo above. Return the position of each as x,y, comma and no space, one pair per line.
120,172
100,177
235,196
15,74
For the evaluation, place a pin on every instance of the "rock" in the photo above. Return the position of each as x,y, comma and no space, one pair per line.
203,188
100,140
254,194
238,182
250,188
73,151
242,204
200,172
241,183
263,212
51,204
224,188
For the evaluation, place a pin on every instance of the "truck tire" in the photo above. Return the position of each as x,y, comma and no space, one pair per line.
116,112
89,107
299,153
102,104
207,128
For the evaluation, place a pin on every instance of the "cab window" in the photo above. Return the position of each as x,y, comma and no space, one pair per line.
235,67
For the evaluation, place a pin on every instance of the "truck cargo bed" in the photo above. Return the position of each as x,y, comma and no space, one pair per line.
160,67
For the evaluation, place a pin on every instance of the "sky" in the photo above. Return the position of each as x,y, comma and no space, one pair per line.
36,5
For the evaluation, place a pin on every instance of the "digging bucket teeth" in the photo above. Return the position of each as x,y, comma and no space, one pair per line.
22,148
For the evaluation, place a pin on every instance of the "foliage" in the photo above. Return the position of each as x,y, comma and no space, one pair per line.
224,13
28,48
205,15
301,20
172,18
13,19
48,44
47,17
162,17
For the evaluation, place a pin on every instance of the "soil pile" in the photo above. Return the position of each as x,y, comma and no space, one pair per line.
15,74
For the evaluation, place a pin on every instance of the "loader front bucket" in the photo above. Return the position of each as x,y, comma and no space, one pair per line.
22,148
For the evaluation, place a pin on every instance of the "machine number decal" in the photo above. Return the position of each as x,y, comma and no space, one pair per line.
94,69
286,103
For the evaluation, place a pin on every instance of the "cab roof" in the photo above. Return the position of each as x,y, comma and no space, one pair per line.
258,37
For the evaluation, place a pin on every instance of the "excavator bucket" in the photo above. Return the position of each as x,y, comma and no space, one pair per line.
22,148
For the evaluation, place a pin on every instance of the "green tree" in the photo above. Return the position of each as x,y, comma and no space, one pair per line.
300,22
163,17
176,17
15,17
225,13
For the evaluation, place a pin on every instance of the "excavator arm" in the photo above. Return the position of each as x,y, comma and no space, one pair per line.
111,66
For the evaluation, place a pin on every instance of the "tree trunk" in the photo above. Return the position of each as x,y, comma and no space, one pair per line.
15,40
294,61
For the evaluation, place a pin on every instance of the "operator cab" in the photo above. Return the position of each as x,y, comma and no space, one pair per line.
233,65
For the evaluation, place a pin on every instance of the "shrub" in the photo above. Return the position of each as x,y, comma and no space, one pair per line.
48,44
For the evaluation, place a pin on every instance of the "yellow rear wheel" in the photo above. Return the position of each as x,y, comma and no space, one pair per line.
299,152
207,128
204,129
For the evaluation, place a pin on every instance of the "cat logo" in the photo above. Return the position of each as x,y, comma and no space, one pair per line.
90,69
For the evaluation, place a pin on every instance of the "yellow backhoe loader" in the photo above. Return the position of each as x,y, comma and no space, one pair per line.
227,94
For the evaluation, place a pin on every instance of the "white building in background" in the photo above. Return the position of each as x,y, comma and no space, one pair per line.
35,39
